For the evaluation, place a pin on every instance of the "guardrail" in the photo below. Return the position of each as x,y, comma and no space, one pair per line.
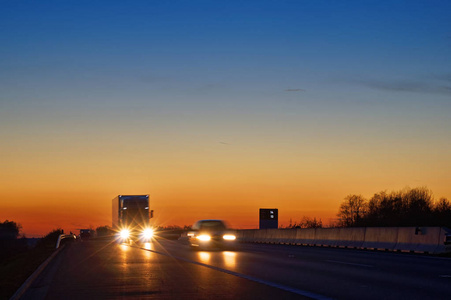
64,236
27,284
30,280
434,240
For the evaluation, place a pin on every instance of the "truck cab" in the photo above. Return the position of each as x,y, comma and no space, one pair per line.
131,218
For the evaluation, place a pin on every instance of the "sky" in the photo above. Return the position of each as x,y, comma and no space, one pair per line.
218,108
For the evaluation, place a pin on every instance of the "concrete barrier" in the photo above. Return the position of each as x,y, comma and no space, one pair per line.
329,237
266,238
446,234
269,236
380,238
292,237
424,239
420,239
287,236
305,236
250,235
352,237
240,234
276,235
247,236
260,236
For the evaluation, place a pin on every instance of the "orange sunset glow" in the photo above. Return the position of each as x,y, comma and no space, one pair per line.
74,189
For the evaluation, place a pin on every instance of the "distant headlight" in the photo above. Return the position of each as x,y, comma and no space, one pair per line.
204,237
229,237
148,233
124,234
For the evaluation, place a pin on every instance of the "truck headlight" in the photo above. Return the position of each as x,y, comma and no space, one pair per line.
204,237
229,237
148,233
124,234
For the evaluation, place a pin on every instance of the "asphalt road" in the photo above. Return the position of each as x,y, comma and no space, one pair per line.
170,270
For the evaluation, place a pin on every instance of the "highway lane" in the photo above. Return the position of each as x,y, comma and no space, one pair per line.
103,270
169,270
335,273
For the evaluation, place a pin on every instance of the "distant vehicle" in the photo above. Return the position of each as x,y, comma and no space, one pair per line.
85,234
211,234
131,218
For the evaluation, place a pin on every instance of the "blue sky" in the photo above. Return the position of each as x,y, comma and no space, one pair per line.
189,44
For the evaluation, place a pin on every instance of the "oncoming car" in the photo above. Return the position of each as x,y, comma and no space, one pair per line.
85,234
210,234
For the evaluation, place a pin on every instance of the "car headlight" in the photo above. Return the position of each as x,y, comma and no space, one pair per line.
229,237
124,234
204,237
148,233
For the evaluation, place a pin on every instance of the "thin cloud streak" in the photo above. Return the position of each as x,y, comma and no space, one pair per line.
443,77
294,90
408,86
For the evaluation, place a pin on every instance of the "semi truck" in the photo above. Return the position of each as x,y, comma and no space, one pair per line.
131,218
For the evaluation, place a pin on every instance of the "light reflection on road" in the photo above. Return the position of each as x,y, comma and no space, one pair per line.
148,246
124,249
222,259
149,255
204,257
229,259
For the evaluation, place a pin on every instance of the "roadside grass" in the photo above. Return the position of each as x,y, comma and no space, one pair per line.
15,269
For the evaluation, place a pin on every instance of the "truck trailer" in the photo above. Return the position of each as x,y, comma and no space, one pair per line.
131,218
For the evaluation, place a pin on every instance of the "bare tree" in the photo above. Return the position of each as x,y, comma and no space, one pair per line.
311,223
352,210
443,205
307,223
442,213
408,207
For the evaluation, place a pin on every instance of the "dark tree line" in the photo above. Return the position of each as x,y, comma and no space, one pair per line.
104,231
9,242
9,230
409,207
50,239
306,222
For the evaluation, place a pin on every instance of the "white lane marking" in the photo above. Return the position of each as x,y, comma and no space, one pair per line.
251,278
351,264
445,276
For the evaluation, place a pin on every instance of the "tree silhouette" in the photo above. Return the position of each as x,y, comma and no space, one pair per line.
408,207
104,231
442,213
9,230
307,222
352,209
49,240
